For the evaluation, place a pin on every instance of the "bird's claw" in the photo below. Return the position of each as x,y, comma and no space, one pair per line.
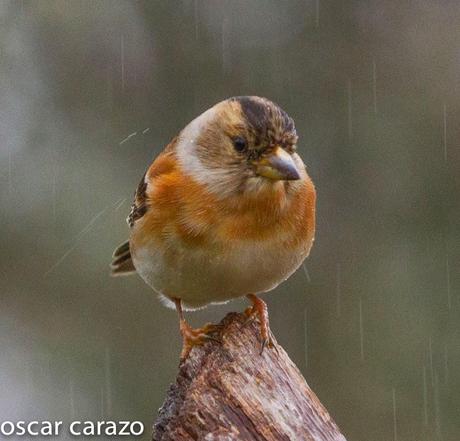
259,311
267,343
197,337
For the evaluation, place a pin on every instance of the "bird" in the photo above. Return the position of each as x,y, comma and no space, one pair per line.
227,210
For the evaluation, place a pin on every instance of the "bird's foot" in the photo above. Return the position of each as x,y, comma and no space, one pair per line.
259,310
196,337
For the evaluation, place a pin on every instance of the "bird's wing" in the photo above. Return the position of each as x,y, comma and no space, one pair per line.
160,166
139,206
122,263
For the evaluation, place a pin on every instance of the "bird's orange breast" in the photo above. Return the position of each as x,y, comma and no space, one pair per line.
181,208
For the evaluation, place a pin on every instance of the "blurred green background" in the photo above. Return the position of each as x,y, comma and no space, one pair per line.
91,91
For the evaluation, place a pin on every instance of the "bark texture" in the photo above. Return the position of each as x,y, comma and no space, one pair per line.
228,391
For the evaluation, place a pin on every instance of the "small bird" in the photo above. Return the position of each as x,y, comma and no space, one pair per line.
226,210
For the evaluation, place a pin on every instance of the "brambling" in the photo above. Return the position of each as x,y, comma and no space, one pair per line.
226,210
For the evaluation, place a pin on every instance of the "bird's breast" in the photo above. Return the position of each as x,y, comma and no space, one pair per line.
202,275
196,247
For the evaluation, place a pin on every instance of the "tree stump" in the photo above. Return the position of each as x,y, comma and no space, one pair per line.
229,391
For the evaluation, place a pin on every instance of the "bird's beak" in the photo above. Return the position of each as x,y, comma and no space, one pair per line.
278,166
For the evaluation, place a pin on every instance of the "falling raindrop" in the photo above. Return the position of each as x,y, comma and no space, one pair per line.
122,57
79,236
145,130
109,87
226,53
395,427
430,355
338,289
306,337
317,13
425,398
127,138
445,131
350,105
10,174
196,18
446,364
449,298
108,383
72,400
374,84
102,403
437,408
361,330
54,197
119,204
307,274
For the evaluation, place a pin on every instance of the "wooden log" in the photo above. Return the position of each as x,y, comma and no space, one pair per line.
229,391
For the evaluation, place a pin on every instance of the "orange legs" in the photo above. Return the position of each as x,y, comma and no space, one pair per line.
259,310
193,337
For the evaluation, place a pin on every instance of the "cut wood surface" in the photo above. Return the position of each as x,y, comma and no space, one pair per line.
228,391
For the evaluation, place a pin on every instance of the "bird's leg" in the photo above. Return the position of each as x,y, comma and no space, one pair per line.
193,337
259,309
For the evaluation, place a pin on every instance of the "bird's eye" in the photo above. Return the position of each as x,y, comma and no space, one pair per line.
240,144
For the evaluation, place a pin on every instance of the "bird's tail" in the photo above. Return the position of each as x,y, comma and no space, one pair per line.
122,264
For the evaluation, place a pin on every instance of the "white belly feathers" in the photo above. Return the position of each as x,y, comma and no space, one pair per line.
202,276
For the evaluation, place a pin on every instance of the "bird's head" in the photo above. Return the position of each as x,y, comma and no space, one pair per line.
243,144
